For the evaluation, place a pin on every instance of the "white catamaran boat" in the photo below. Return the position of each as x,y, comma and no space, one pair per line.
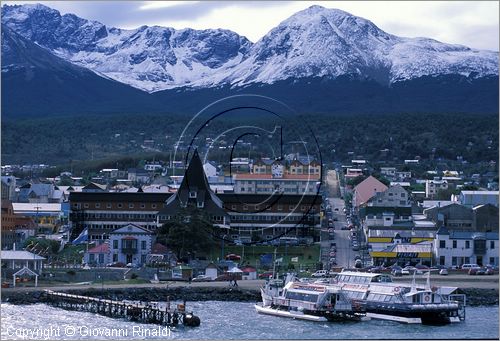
306,301
356,294
381,298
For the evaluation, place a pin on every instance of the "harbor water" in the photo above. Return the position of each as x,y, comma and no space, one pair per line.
230,320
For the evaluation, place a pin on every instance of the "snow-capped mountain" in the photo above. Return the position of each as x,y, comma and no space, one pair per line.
316,42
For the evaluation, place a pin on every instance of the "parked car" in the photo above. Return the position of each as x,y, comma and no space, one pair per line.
469,266
443,272
320,273
265,275
202,278
397,272
116,265
224,277
233,257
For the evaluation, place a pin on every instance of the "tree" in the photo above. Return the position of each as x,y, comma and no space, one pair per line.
191,231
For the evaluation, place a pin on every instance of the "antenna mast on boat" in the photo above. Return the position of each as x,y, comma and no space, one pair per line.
274,263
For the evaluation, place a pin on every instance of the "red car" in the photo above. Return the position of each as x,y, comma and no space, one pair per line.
234,257
265,275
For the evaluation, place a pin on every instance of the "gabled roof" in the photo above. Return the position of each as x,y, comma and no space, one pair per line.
94,186
367,189
194,180
130,229
19,255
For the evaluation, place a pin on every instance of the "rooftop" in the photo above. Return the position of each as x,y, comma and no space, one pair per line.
19,255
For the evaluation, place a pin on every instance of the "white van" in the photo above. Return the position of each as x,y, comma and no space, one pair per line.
470,266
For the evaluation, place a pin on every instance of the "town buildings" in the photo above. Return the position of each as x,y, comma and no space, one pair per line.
454,248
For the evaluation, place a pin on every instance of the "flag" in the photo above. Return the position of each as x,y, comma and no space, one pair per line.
294,259
82,238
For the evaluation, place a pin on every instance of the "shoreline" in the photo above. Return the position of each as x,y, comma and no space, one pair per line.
213,291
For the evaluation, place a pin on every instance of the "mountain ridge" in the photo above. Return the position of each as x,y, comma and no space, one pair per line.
315,42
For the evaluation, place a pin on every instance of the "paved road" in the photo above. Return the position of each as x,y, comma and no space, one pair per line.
461,281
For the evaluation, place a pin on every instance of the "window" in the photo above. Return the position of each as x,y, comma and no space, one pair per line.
454,244
143,205
257,207
192,194
143,245
115,244
442,244
403,195
120,205
153,206
453,260
492,260
402,202
97,205
130,205
91,258
245,207
143,259
200,204
233,207
492,244
85,205
442,260
115,257
101,258
467,244
108,205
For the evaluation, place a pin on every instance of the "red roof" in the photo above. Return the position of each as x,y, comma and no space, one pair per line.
159,249
366,189
101,248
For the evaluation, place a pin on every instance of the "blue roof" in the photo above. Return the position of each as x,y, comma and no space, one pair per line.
473,234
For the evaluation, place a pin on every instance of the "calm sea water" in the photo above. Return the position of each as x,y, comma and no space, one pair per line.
230,320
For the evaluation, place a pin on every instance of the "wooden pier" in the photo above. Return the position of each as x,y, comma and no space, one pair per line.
144,312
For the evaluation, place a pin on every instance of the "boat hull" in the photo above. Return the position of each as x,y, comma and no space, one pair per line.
289,314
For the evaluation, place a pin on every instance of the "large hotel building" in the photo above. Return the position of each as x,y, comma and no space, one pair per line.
245,216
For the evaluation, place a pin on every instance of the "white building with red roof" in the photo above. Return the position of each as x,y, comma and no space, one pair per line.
130,244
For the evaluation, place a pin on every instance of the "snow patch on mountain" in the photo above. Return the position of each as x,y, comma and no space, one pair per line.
315,42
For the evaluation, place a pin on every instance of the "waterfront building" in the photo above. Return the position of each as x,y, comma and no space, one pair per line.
402,254
454,248
13,261
130,244
98,255
246,216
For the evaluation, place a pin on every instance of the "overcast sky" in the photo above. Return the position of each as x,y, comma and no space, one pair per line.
471,23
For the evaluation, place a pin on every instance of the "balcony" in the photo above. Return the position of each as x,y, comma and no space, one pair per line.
129,250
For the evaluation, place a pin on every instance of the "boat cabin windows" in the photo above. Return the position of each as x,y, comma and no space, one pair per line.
355,294
298,296
382,279
379,297
353,279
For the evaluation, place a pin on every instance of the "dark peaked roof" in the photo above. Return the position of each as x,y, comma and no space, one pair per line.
195,181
